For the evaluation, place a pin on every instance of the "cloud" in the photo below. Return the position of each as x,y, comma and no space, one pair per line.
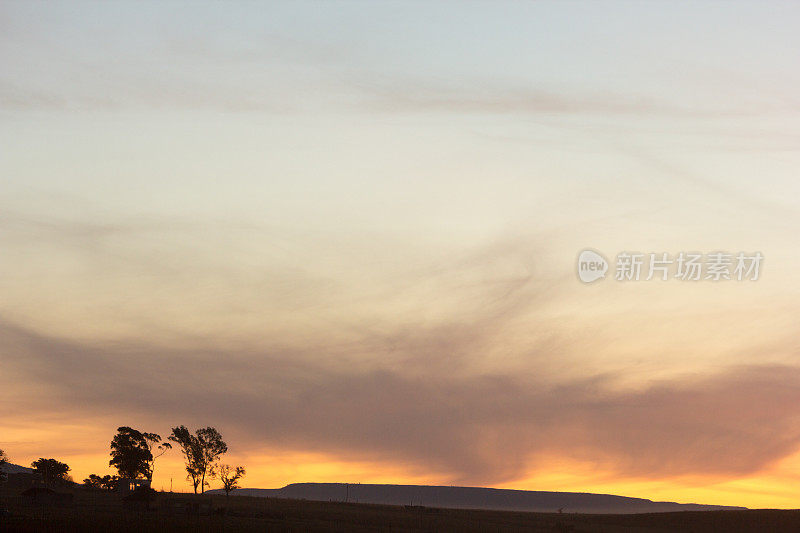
346,89
476,428
480,98
427,380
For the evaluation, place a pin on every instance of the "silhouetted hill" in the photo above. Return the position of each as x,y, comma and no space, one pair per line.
475,498
10,468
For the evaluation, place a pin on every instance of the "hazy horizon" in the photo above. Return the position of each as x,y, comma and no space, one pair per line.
345,235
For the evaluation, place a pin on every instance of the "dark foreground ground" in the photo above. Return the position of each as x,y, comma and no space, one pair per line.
106,512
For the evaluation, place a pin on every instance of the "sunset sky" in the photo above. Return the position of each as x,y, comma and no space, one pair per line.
345,235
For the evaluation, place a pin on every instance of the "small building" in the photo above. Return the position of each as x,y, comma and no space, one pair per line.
127,486
19,477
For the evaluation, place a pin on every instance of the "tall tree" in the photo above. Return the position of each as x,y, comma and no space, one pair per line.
194,476
157,449
51,470
132,452
201,451
190,449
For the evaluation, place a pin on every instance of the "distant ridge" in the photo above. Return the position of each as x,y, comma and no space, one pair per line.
476,498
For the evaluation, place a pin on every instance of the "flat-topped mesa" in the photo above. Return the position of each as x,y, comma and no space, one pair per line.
476,498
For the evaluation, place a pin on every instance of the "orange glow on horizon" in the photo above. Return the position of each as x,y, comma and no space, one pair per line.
775,487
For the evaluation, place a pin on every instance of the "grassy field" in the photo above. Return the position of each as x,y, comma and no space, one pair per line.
106,512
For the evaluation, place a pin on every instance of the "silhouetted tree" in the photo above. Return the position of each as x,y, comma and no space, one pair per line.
51,470
132,452
92,482
157,449
106,482
191,450
201,452
230,477
109,482
3,461
194,476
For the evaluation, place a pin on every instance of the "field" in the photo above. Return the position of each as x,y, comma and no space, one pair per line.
92,511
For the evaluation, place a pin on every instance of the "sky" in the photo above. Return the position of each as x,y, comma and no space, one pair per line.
345,235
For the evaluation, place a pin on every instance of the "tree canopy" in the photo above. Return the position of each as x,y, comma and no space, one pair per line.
132,452
201,451
51,470
106,482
